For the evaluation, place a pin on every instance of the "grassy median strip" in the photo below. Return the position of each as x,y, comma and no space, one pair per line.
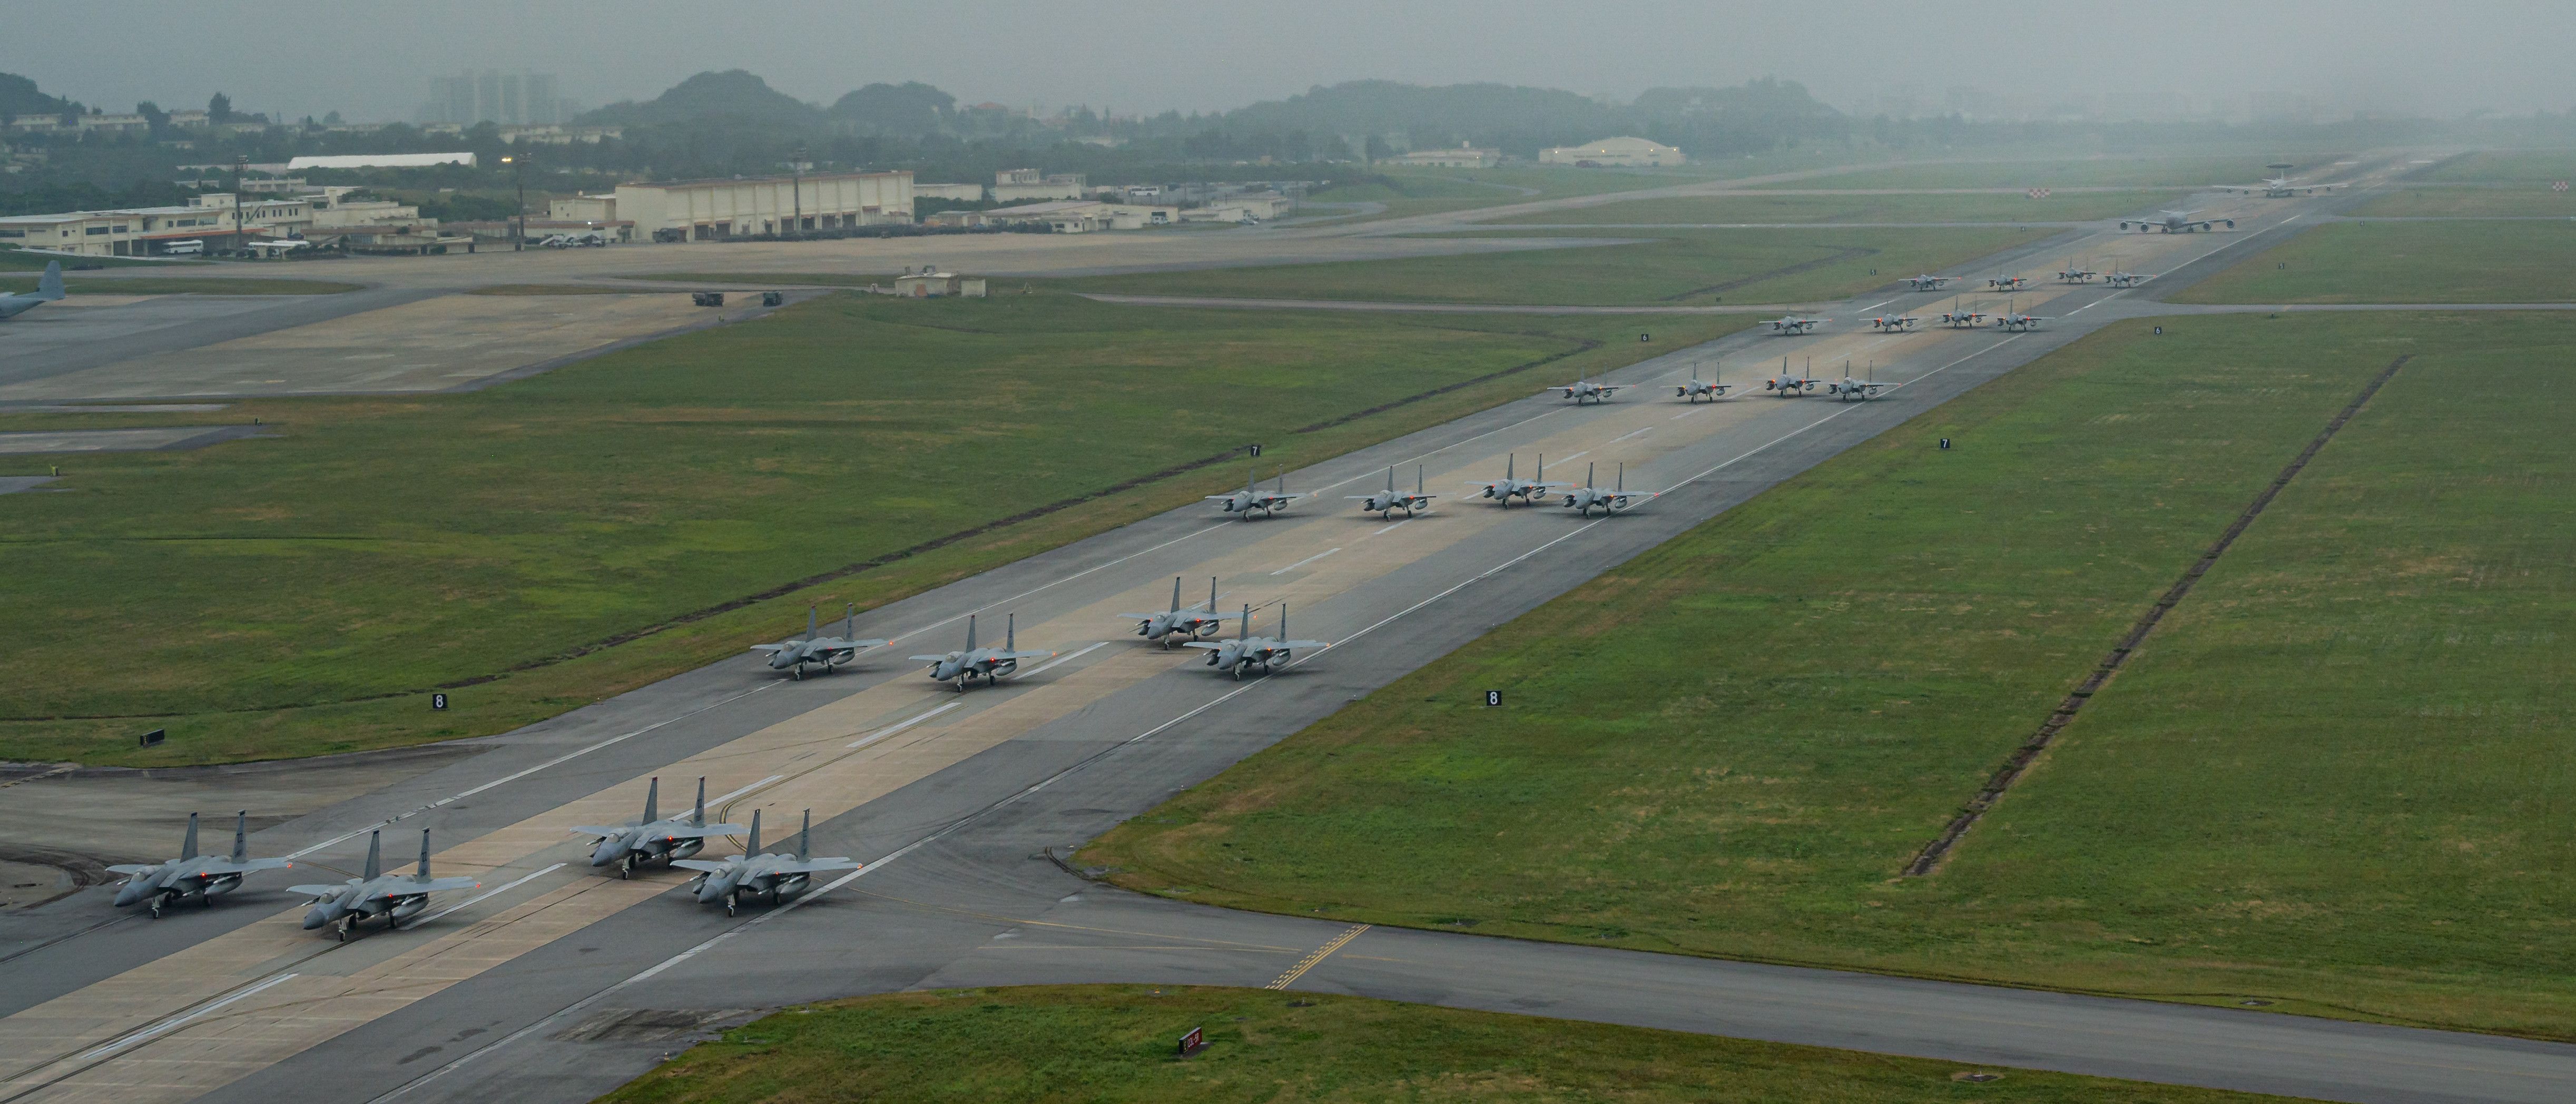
2523,201
2404,262
1678,267
1860,207
1118,1043
543,544
1732,745
2183,171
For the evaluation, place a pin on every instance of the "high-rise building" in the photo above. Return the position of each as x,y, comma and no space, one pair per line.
492,96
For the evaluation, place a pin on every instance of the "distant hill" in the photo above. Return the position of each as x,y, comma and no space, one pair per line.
910,108
19,96
734,96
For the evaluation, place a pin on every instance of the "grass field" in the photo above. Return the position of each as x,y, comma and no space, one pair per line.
1406,192
325,586
2527,201
2404,262
1677,267
1115,1043
2093,172
549,289
181,285
2533,167
1974,207
2336,780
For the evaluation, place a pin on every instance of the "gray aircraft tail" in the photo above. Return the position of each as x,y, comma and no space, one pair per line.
970,632
50,285
700,816
1211,595
805,838
753,846
653,800
375,867
810,614
1176,594
1622,486
188,846
241,836
1243,628
1010,632
424,854
1283,620
850,622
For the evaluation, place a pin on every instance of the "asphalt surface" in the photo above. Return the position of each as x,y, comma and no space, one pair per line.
961,888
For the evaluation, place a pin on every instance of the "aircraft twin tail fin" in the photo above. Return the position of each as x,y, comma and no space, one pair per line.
241,836
375,867
50,286
187,847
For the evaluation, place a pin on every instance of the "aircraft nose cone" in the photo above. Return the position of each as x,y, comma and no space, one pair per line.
132,892
606,853
317,916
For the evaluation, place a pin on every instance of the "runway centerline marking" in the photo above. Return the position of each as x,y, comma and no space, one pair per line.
747,789
183,1018
1060,661
1313,558
1320,954
899,726
1631,433
1394,527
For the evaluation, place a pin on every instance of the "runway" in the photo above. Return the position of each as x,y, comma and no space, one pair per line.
957,801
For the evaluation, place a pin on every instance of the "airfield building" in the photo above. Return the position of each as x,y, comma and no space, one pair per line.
1464,157
1613,152
708,210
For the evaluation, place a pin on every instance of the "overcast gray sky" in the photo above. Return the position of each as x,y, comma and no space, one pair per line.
373,61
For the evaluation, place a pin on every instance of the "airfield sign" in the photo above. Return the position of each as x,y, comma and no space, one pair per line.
2558,186
2036,193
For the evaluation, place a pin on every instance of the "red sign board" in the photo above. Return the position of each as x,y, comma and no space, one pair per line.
1194,1042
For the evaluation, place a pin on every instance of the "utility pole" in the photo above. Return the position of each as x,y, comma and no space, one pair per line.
796,185
519,179
241,164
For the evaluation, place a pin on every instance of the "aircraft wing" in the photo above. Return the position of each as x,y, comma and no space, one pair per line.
772,649
1293,645
1127,617
596,830
1220,498
687,831
133,868
318,890
436,884
927,659
1201,644
711,866
1551,483
226,866
1022,655
814,866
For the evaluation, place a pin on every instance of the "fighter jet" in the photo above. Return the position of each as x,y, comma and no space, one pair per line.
1385,503
653,838
1180,624
1252,497
1510,486
396,897
1786,384
49,289
192,876
1893,322
1698,388
752,874
2175,222
2277,187
2120,279
992,663
2015,322
2074,275
1927,283
1582,390
1790,324
792,655
1247,651
1848,389
1582,499
1957,318
2006,283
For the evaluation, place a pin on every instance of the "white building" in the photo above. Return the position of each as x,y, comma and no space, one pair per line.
380,161
1074,216
1613,152
147,231
966,193
711,209
1023,185
1464,157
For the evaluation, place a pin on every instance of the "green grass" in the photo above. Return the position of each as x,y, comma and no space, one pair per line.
2091,172
1115,1043
1974,207
2404,262
2530,167
553,289
2336,781
325,580
181,285
1678,267
2515,202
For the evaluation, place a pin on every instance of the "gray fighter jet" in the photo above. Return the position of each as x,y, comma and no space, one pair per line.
1510,486
2016,322
1180,624
2175,222
1385,503
793,655
1252,498
396,897
1958,317
1247,651
49,289
2006,282
192,876
1893,323
1927,283
2075,274
2119,279
654,839
1698,388
1583,390
752,874
961,668
1787,384
1791,325
1583,499
1848,389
